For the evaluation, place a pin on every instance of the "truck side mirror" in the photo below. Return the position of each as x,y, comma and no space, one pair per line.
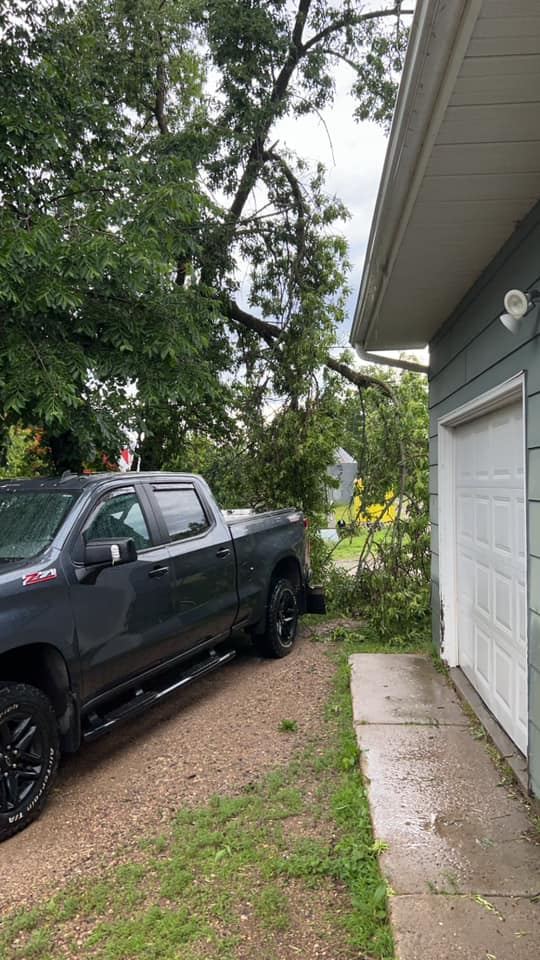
109,552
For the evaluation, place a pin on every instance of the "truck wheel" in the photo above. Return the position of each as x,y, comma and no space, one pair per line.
281,621
29,754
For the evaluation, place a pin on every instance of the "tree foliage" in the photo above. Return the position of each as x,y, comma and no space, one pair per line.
26,453
390,442
140,178
94,213
272,458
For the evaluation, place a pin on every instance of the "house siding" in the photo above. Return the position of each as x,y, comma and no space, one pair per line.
345,474
470,355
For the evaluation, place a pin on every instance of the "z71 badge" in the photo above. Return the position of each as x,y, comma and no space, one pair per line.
40,577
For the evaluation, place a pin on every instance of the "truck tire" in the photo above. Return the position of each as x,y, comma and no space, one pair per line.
29,755
281,621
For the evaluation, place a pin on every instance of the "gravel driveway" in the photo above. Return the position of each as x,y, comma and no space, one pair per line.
215,736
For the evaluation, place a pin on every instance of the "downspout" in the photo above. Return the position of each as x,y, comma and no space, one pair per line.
391,361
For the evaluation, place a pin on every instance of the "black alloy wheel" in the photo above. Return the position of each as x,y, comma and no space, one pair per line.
286,616
281,621
28,755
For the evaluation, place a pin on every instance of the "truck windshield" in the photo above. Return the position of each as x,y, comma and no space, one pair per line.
29,521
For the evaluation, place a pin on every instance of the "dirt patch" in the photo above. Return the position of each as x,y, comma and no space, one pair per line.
215,737
314,915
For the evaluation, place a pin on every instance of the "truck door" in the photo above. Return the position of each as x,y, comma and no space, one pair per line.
203,573
124,613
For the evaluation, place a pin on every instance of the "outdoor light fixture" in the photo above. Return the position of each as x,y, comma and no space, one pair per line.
517,305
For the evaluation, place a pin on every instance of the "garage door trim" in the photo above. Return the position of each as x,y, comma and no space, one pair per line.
493,399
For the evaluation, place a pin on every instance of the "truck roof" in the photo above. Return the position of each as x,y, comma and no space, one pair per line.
75,483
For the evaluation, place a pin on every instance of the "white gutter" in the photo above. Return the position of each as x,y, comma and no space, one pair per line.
440,34
391,361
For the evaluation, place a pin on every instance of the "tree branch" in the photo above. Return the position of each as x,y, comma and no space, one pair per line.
322,120
297,50
341,56
159,106
270,332
255,158
296,191
360,380
300,22
352,20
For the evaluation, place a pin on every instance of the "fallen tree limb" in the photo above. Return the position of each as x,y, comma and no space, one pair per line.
270,332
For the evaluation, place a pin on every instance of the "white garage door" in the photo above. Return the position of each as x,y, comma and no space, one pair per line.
491,564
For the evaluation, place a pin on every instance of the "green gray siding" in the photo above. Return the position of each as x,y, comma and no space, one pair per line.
470,355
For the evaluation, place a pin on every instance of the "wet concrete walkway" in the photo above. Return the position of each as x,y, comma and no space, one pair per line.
463,857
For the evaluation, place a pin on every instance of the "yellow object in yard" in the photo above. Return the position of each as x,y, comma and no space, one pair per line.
377,512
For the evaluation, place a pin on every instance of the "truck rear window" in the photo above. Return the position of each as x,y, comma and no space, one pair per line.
29,521
182,512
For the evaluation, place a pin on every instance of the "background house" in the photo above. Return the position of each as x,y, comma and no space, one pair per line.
456,226
343,470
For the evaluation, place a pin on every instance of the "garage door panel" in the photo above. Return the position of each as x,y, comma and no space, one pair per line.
466,637
465,578
504,591
482,656
482,521
466,455
503,512
465,508
482,451
491,563
502,449
503,678
482,596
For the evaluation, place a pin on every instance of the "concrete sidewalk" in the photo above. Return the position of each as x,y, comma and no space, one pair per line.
463,858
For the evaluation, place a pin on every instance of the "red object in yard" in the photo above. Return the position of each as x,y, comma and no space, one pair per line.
126,458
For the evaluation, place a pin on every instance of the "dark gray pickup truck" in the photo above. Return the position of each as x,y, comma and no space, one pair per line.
117,589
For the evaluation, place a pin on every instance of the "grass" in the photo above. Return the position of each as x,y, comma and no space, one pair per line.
357,641
350,547
250,865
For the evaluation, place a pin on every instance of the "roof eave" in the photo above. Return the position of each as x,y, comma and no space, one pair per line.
433,60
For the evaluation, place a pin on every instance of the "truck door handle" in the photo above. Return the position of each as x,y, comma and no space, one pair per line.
222,552
158,572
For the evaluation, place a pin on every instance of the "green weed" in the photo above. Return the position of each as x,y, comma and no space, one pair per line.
288,726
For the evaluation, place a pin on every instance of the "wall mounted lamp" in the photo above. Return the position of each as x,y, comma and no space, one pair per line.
517,305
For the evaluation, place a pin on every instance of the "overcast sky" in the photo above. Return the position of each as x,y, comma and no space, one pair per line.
353,162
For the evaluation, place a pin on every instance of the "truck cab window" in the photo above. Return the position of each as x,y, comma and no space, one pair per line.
120,517
182,512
